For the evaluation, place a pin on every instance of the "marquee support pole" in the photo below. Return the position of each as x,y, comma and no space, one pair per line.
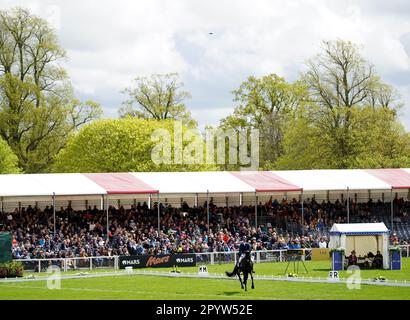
107,211
391,210
53,201
256,210
207,209
159,213
348,206
102,203
302,213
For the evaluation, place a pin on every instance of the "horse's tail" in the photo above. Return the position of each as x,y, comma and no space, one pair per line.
230,274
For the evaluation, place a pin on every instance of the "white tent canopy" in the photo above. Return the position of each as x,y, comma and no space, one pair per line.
194,182
358,228
320,180
170,182
214,182
63,184
23,185
361,237
311,180
356,179
219,182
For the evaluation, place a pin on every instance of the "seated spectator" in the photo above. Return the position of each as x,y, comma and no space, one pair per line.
322,243
293,245
296,244
352,259
378,260
368,260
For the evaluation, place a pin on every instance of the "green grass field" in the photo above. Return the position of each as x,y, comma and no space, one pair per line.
158,288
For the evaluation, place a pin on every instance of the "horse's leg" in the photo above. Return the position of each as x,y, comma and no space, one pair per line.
253,286
245,279
240,279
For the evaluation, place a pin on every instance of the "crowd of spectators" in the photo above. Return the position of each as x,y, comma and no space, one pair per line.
183,230
319,217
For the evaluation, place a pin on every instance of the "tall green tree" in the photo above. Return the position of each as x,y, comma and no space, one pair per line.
383,139
37,106
378,141
341,83
8,160
159,96
123,145
265,104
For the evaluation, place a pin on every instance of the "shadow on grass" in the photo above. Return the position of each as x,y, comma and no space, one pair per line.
324,269
231,293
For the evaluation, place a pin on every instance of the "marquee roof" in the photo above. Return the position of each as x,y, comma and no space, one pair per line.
77,184
120,183
398,179
67,184
194,182
320,180
266,181
22,185
358,228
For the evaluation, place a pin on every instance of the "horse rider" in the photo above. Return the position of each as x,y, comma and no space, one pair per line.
244,248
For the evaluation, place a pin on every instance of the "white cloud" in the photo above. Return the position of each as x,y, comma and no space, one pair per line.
111,42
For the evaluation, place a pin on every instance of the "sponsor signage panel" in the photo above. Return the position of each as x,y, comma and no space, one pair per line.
158,261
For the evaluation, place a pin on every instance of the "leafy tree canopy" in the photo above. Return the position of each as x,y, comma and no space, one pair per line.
123,145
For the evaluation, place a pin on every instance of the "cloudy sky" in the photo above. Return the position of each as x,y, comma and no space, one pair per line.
111,42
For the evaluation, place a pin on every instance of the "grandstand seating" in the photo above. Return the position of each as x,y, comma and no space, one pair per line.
284,217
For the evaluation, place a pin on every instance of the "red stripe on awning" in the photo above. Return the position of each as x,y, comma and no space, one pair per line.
265,181
397,178
120,183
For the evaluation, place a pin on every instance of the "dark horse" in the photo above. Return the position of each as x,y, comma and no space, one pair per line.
246,268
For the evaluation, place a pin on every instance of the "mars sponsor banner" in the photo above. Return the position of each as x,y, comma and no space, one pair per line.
158,261
320,254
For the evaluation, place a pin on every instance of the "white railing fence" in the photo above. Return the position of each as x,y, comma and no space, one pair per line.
230,257
405,250
111,262
67,264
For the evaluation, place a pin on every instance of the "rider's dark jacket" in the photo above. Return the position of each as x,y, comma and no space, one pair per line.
244,247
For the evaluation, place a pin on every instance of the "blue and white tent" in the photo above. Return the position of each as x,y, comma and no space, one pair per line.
362,238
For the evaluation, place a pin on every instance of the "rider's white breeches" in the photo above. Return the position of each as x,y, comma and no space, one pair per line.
243,256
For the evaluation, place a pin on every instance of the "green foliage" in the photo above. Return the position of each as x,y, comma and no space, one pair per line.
265,104
120,145
351,120
374,139
8,160
37,107
159,96
11,269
